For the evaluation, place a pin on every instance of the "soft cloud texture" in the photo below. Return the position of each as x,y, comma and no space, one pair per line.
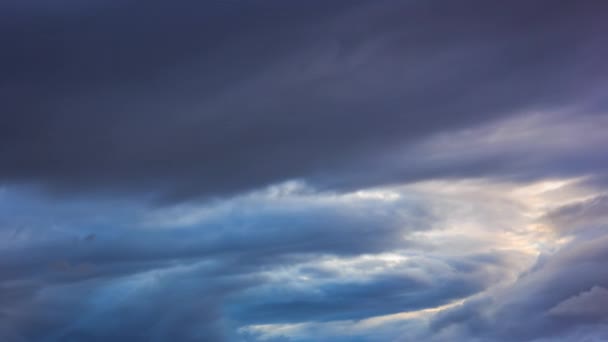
248,171
208,99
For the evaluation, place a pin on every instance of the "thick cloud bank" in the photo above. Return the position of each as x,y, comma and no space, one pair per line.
249,171
216,97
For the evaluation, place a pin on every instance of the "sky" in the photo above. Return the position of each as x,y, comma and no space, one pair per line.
303,171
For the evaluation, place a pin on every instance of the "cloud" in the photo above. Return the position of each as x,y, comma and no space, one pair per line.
312,171
314,296
282,255
436,260
590,303
149,306
579,216
550,296
72,286
181,101
242,232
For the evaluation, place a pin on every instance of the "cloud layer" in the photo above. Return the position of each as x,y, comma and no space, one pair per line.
248,171
185,100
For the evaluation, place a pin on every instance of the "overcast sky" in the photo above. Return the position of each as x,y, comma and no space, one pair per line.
303,171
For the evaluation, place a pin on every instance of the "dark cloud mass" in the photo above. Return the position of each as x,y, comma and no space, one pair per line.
298,171
185,98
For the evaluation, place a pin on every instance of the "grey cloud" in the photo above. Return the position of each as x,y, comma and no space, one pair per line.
154,306
154,100
583,215
186,302
521,148
559,299
341,300
173,283
242,234
214,99
536,296
589,303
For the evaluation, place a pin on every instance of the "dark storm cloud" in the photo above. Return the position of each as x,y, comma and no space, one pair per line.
193,99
